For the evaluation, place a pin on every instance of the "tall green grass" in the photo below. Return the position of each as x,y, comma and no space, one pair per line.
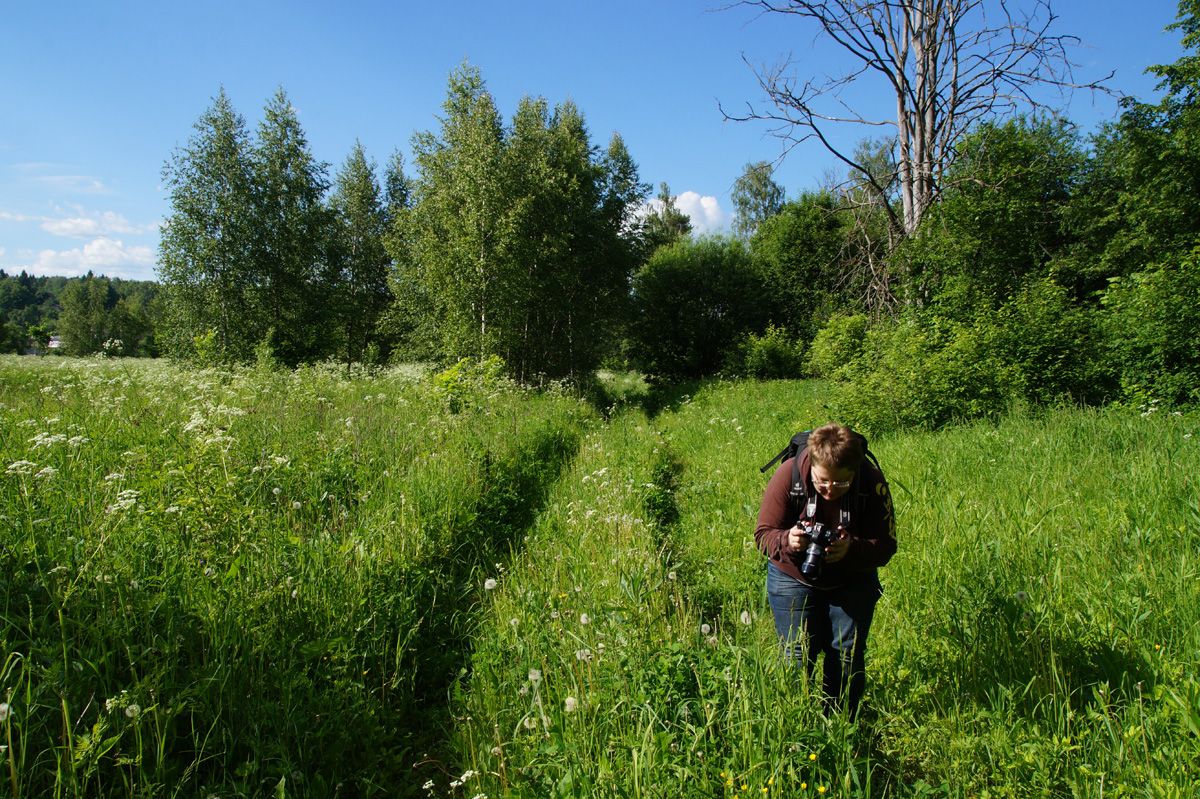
251,583
234,583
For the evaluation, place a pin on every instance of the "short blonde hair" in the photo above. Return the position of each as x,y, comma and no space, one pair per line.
835,446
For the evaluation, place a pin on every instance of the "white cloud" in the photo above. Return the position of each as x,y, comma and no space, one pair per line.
705,212
87,225
102,255
77,184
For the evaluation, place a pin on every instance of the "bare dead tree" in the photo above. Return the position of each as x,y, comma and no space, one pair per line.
870,240
949,64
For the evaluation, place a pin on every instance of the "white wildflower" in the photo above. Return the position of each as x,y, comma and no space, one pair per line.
496,751
21,467
583,654
113,477
125,500
46,473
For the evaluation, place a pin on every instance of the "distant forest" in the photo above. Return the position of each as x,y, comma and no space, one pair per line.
82,315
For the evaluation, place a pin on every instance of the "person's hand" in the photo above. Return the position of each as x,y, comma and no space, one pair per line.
837,550
797,538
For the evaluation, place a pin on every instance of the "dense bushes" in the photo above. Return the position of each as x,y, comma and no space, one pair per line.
1151,323
694,299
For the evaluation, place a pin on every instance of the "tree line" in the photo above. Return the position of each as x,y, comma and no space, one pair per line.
86,314
1046,266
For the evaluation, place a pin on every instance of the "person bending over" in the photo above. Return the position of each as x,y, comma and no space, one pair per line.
826,525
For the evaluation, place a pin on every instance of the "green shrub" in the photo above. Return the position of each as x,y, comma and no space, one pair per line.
775,355
922,375
1052,342
693,299
836,344
1151,323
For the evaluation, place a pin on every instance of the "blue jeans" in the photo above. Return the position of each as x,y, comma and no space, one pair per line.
833,622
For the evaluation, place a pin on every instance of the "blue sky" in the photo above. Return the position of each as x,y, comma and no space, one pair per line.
95,97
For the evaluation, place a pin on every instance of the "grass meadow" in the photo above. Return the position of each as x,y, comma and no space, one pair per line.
321,583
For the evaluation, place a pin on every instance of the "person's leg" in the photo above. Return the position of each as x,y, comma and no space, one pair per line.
800,618
850,612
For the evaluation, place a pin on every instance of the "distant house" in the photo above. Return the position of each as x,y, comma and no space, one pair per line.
56,343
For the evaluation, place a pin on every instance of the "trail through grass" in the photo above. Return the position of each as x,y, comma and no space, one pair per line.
253,583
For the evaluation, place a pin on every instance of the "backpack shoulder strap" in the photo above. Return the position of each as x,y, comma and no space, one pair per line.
794,447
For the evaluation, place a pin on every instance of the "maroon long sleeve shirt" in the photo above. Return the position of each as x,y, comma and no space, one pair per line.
872,526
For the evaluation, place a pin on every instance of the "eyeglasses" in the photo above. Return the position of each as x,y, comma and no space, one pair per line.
825,485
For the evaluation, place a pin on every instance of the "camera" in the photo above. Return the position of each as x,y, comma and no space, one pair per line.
819,537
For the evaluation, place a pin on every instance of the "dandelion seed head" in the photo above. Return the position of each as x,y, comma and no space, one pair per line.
1021,596
584,618
276,491
705,629
490,584
569,704
535,676
4,712
295,506
746,618
133,710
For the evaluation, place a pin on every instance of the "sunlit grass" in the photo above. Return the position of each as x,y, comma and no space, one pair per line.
317,583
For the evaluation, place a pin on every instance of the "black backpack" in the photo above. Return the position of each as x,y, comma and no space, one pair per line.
796,488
